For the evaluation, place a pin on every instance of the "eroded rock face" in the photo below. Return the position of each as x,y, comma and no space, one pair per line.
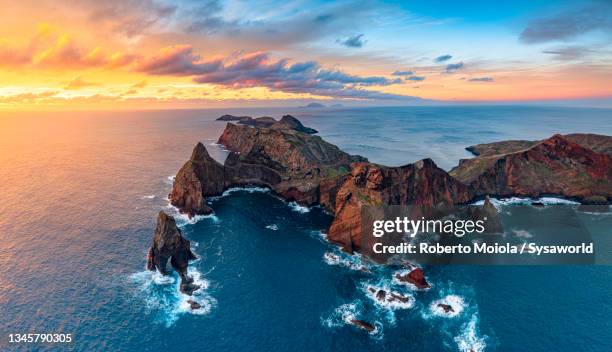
421,184
199,177
170,245
555,166
295,165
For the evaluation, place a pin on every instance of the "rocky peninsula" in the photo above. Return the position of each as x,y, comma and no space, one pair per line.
288,158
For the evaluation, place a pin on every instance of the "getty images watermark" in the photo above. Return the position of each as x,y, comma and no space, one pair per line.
506,235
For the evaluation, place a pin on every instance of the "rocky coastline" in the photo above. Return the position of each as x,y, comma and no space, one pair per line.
288,158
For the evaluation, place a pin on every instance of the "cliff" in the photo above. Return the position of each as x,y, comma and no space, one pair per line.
169,244
595,142
296,165
302,167
421,183
559,165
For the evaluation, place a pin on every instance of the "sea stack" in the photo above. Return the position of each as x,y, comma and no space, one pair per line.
169,244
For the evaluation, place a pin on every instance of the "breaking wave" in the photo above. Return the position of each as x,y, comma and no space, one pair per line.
447,307
468,340
162,297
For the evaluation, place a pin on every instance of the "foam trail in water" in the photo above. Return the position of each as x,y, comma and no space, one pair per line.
468,340
162,295
272,227
298,208
353,262
527,201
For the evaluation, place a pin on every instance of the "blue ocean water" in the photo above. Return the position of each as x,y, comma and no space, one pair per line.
79,197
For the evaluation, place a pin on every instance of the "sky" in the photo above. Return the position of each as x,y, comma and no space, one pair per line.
126,54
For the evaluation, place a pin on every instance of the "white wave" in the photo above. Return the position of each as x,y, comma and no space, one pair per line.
231,190
455,302
245,189
391,300
162,295
148,196
184,219
298,208
170,179
353,262
527,201
272,227
345,314
341,315
468,340
522,233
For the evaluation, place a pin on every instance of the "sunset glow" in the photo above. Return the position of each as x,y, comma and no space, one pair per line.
157,54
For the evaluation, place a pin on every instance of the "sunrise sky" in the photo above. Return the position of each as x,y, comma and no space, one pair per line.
117,54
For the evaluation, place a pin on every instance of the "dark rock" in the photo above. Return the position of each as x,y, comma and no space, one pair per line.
364,325
170,245
290,122
537,204
234,118
446,307
595,204
194,305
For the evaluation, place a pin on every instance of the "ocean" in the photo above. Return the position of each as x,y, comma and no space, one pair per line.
79,196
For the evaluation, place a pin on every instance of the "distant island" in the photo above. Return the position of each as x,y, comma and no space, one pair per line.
313,106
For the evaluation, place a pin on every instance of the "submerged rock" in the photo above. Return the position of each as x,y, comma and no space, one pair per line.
594,204
170,245
194,305
363,325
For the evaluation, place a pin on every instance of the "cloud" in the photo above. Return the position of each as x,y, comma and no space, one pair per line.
569,24
443,58
454,67
569,53
352,42
481,79
259,70
178,60
53,50
78,83
129,17
402,73
140,84
415,78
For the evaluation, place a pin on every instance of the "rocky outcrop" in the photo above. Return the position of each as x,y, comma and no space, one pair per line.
420,184
170,245
200,177
363,325
447,308
415,277
286,122
596,142
290,122
297,166
555,166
